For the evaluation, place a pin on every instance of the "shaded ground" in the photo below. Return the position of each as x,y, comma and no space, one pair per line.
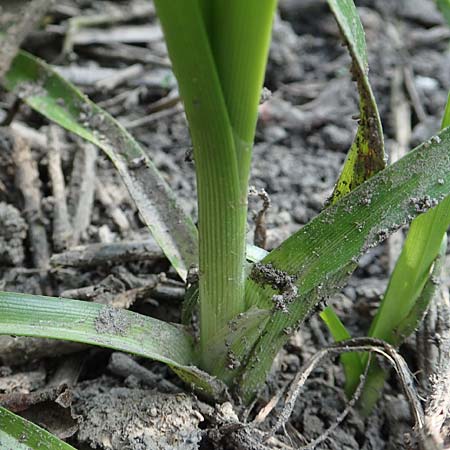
304,131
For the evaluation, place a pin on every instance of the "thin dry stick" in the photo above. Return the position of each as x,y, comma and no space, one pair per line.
358,345
154,117
260,235
62,229
341,417
116,214
124,366
16,26
438,405
413,93
408,74
104,254
20,350
119,15
401,112
84,168
121,77
34,137
27,181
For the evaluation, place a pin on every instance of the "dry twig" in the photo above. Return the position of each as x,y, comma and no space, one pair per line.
104,254
62,229
358,345
111,207
260,234
27,181
437,370
82,189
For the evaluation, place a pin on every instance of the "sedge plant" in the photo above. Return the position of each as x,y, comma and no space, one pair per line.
247,312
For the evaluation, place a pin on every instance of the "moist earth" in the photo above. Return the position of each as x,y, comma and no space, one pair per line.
305,128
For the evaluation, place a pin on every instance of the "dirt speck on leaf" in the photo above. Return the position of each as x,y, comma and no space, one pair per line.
112,321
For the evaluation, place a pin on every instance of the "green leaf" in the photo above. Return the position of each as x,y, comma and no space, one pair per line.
351,362
17,20
444,6
104,326
239,337
239,34
222,212
376,376
366,156
411,273
219,51
44,90
321,255
17,433
411,285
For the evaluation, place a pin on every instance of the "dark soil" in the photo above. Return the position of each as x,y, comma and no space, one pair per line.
305,129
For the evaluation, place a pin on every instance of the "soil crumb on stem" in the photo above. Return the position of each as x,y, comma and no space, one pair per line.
278,280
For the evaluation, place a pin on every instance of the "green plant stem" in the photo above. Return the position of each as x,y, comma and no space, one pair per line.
222,212
240,37
219,51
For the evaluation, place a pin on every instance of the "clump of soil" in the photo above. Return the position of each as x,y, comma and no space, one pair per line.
121,418
13,231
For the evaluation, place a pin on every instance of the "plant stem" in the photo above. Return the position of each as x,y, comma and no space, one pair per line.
219,51
222,213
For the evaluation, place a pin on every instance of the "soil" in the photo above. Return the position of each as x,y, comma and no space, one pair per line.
304,132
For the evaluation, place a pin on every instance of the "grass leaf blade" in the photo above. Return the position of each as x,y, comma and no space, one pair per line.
20,434
45,91
17,20
365,158
104,326
351,362
320,256
411,286
444,6
366,155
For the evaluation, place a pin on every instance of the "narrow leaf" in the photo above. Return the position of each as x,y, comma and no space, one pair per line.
376,376
16,433
412,271
45,91
239,33
444,6
320,256
104,326
366,156
222,205
351,362
17,20
239,337
416,314
411,285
